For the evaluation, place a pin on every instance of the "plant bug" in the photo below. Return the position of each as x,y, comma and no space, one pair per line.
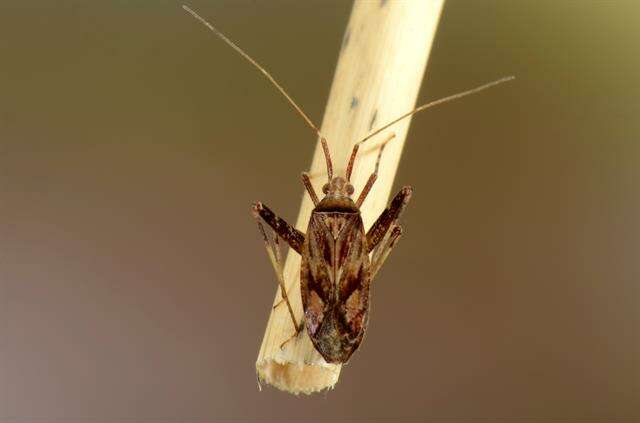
339,258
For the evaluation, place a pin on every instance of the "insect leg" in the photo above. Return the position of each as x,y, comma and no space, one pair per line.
295,334
374,175
283,291
278,303
291,235
307,184
273,250
388,218
381,253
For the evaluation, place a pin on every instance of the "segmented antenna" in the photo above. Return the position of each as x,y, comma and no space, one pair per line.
298,109
257,65
308,121
436,102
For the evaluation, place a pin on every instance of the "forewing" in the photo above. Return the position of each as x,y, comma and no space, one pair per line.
335,283
316,276
353,276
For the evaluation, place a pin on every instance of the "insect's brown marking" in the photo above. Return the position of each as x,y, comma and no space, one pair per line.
352,304
313,313
383,3
354,103
323,239
343,252
320,249
316,280
353,311
373,119
347,243
352,281
336,226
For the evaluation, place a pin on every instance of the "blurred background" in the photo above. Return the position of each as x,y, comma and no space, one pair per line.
134,284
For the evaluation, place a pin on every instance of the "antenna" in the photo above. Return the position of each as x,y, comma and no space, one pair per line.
298,109
436,102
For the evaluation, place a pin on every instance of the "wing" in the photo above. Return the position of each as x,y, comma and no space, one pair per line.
353,278
335,278
316,272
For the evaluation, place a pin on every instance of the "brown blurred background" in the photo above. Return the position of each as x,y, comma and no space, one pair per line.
134,283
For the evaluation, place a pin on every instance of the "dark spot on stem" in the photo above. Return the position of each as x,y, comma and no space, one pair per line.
373,119
383,3
354,102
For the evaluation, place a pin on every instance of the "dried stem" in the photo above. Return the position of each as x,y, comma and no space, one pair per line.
380,69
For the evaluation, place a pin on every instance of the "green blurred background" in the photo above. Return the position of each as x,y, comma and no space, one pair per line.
135,286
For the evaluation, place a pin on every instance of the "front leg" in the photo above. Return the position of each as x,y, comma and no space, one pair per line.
388,218
291,235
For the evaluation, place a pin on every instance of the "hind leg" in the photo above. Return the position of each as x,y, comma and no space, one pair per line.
273,251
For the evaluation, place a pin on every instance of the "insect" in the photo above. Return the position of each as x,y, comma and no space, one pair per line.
339,258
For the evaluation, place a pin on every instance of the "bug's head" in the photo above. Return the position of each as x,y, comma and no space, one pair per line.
337,196
338,187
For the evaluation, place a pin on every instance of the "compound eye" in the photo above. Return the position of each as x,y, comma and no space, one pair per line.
349,189
325,188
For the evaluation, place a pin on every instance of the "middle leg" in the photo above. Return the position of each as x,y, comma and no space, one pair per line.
388,218
291,235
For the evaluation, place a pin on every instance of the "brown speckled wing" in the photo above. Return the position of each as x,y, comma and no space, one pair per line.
353,278
335,275
316,272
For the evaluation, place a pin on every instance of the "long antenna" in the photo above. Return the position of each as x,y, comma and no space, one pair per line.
257,65
298,109
436,102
